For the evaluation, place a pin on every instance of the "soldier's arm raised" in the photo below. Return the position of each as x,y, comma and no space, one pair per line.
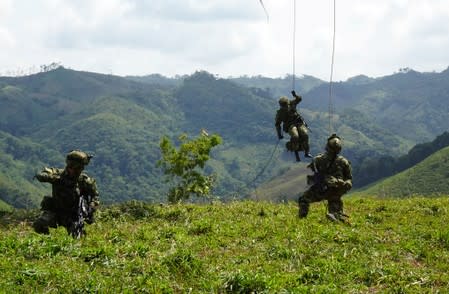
298,98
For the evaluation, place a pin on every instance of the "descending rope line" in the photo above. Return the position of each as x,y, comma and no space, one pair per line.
331,75
263,169
266,165
294,43
252,182
264,9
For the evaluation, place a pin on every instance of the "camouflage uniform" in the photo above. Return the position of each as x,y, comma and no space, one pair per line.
67,187
331,180
293,124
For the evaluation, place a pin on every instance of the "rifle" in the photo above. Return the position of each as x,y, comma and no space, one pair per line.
317,179
82,213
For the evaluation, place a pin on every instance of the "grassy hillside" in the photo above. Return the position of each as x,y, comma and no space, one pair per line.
429,177
391,246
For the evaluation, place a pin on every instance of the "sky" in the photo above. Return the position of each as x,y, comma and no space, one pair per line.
225,37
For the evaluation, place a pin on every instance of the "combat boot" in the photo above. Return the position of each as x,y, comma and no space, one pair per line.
40,227
303,209
297,156
307,154
331,217
338,216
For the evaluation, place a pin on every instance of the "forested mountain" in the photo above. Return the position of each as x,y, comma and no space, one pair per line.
280,86
121,120
429,177
381,167
410,104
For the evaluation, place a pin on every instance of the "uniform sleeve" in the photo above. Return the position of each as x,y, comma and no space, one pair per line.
296,101
347,171
277,120
48,175
91,190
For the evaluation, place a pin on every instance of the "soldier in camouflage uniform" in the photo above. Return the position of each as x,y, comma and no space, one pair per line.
331,180
67,186
293,124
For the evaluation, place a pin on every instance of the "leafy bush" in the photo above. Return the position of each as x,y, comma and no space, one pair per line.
183,166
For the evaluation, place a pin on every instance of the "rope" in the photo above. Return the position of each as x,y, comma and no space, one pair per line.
331,74
268,162
294,43
263,169
264,9
260,173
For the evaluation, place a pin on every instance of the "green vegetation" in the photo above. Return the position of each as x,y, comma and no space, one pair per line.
373,169
184,167
122,120
4,206
391,246
429,177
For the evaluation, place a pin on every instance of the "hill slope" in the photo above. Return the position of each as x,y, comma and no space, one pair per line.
121,121
392,246
429,177
410,104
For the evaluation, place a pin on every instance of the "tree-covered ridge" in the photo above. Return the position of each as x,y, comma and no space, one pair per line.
430,177
19,161
121,120
373,169
410,104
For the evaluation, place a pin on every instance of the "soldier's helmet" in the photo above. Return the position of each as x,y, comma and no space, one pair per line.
333,144
77,159
283,101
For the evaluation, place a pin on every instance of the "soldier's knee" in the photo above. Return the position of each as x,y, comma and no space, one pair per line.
303,205
40,227
45,221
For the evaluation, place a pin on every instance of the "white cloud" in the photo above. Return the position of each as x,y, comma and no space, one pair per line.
226,37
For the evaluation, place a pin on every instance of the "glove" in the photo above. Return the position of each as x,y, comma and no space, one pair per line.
347,184
331,182
294,93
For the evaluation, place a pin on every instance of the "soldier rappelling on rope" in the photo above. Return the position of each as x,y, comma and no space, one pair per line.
293,124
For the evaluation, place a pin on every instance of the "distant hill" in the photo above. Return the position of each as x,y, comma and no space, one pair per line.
429,177
375,168
285,187
409,103
121,120
157,79
277,87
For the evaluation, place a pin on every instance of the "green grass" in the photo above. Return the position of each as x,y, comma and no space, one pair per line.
391,246
429,178
4,206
